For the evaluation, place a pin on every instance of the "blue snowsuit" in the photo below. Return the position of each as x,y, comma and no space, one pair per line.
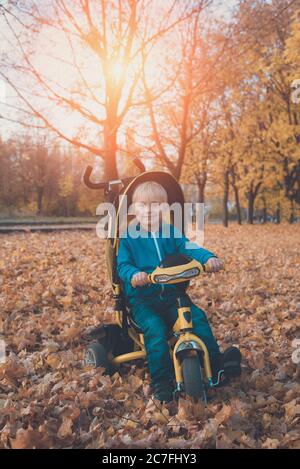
154,307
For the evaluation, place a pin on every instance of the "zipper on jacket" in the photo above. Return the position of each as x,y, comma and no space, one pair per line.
160,258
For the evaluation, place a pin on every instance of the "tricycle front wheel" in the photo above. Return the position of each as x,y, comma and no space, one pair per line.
194,385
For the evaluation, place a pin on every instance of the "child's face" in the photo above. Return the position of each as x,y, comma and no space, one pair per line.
148,213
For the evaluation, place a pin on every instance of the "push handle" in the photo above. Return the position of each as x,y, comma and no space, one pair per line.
103,185
89,183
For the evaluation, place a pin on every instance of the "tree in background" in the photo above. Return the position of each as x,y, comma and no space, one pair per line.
259,136
179,119
101,48
39,177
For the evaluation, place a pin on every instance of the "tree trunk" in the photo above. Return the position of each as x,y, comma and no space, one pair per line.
265,215
40,193
225,199
25,197
201,182
251,196
67,207
237,204
110,157
250,207
292,213
264,212
278,218
201,188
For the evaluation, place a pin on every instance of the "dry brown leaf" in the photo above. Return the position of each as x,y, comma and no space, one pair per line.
66,428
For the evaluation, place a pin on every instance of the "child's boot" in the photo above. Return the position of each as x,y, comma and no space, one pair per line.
231,362
164,391
228,365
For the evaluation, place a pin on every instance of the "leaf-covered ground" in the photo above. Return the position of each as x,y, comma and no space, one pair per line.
54,288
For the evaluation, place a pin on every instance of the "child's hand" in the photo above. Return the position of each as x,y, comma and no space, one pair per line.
214,264
139,279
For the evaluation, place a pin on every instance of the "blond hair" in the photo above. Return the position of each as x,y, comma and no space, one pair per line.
148,191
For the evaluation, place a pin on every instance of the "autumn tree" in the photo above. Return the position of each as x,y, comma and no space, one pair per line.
180,119
9,188
199,155
97,50
261,127
275,68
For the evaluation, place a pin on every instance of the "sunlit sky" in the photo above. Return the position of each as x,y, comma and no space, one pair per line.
62,75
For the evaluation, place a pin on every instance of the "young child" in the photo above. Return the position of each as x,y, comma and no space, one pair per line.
153,307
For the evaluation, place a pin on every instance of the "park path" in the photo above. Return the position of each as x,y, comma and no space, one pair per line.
4,229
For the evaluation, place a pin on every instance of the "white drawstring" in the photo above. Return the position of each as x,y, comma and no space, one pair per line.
159,256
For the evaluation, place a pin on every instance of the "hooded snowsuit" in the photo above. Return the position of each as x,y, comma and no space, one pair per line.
154,307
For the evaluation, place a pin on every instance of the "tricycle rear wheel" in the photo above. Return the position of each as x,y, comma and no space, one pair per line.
96,355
